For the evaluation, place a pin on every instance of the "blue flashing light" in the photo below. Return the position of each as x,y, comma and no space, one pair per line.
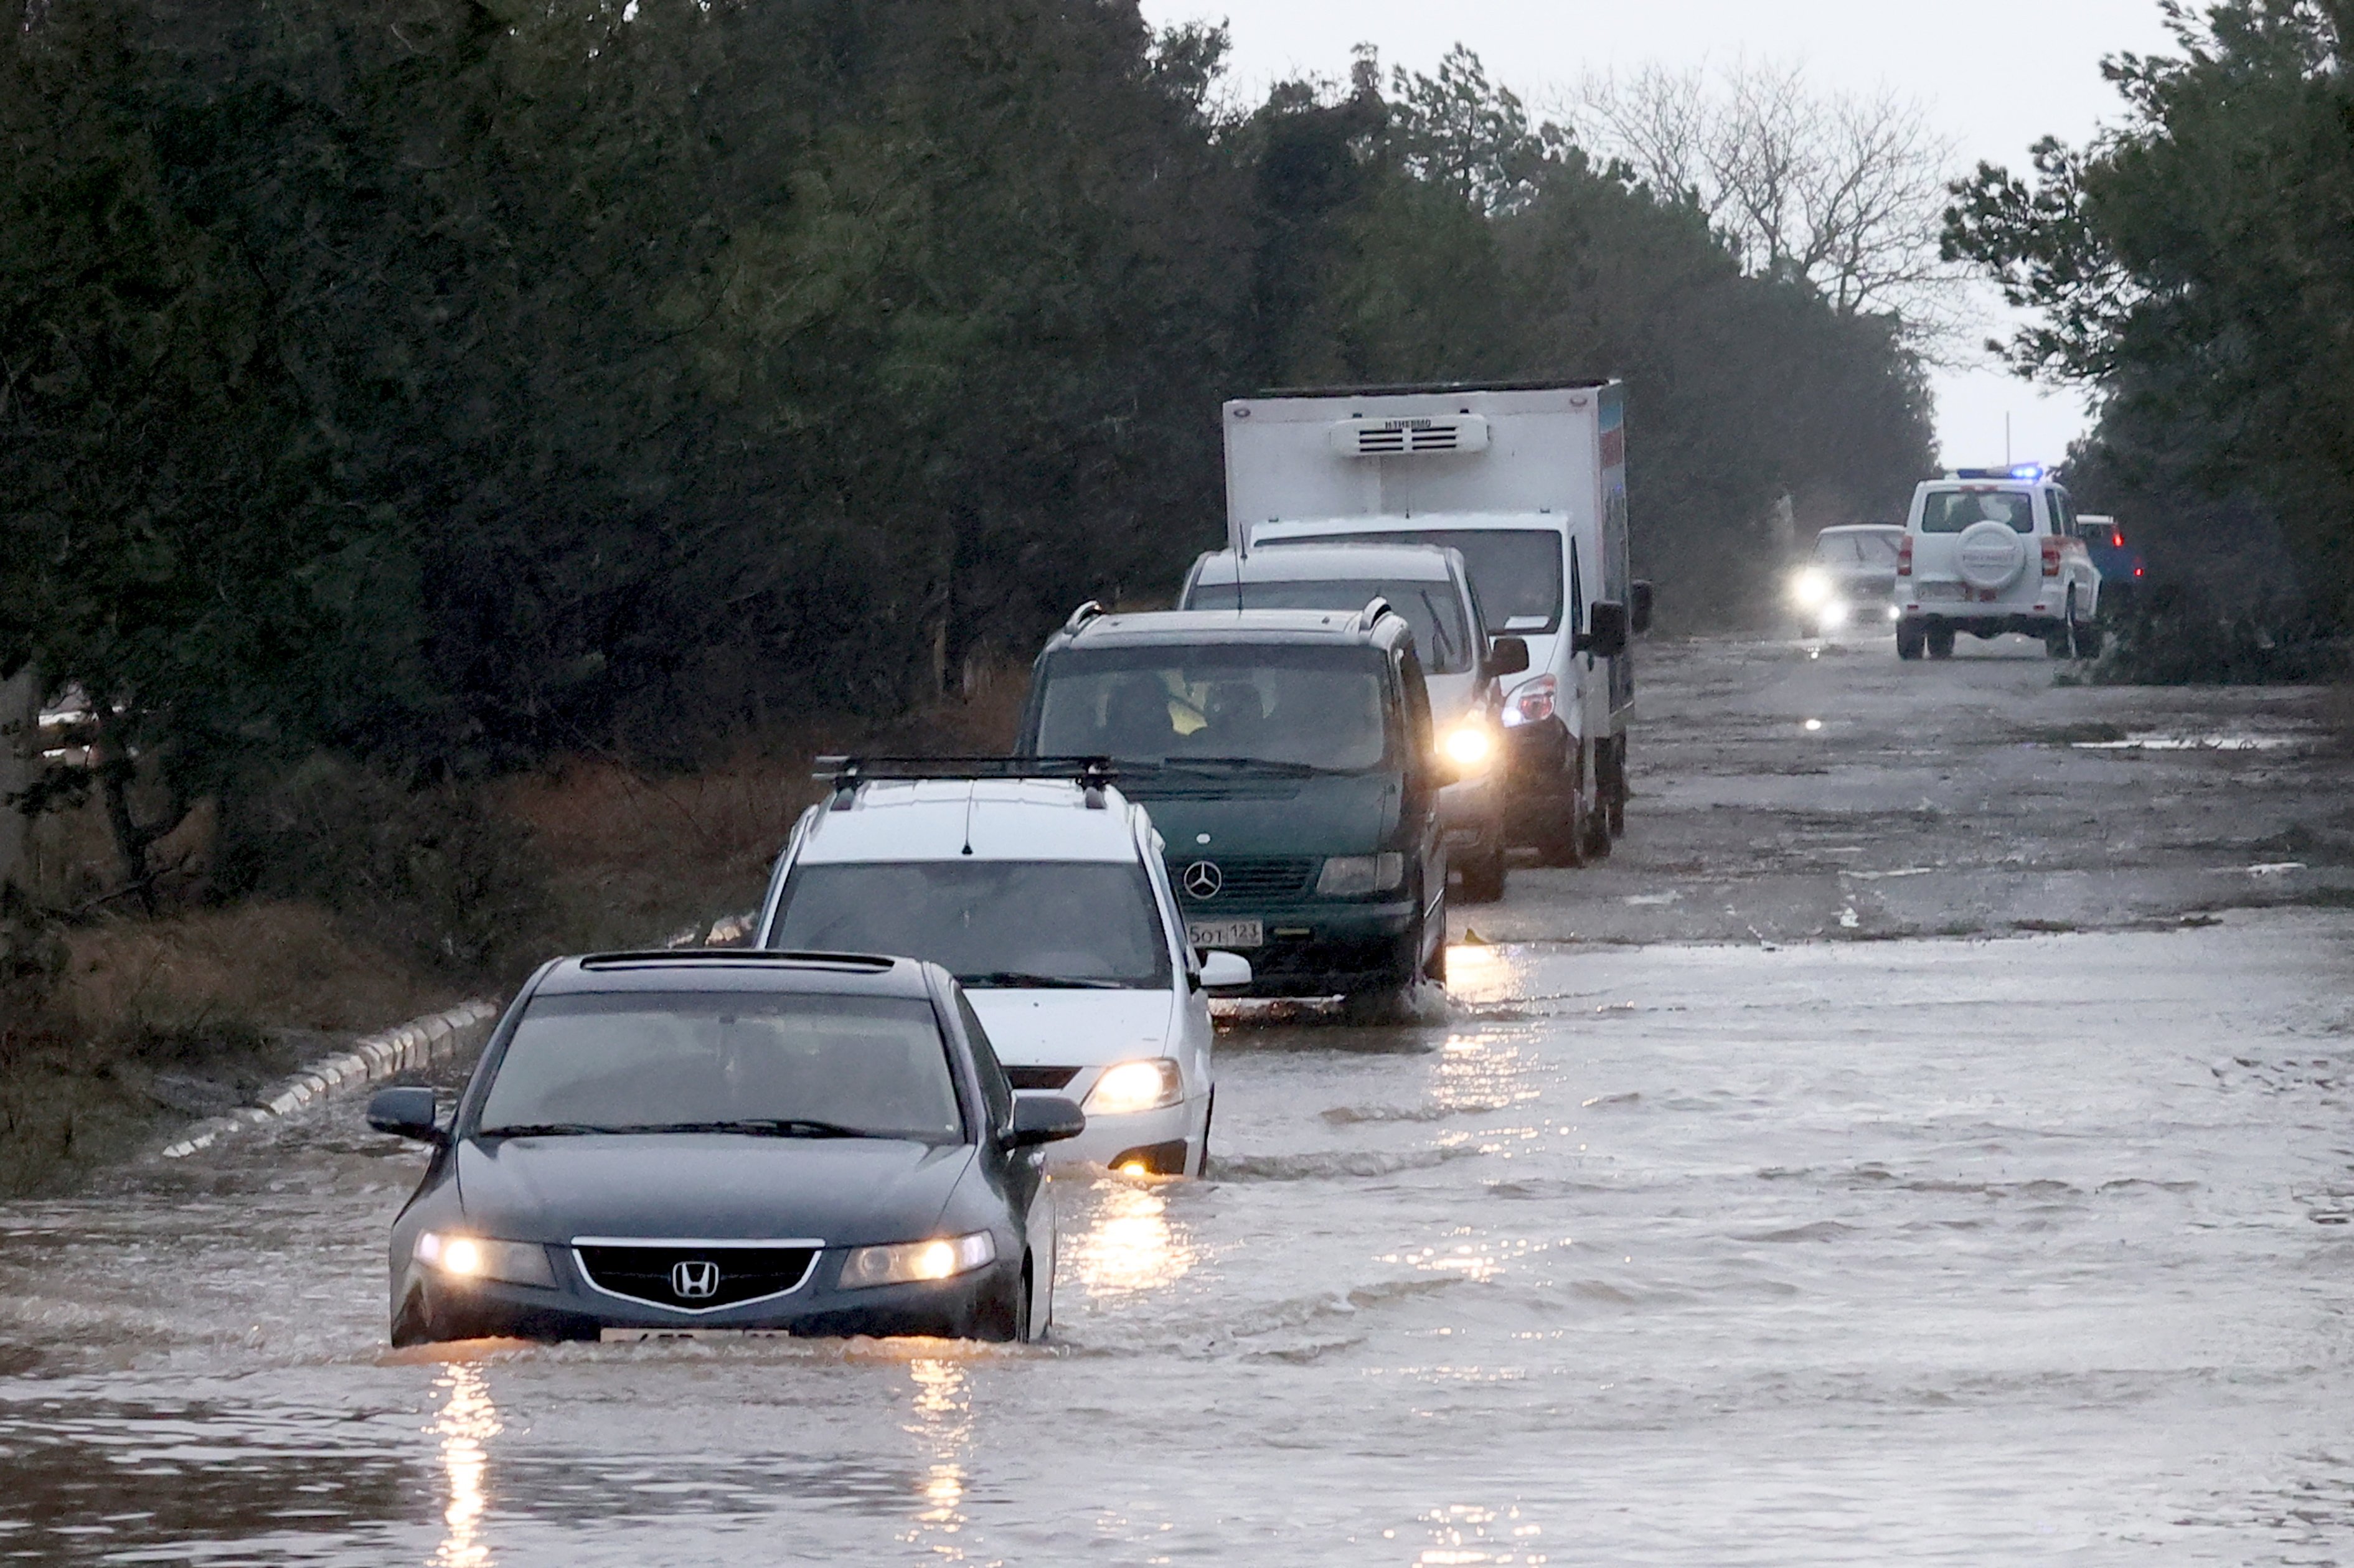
2026,472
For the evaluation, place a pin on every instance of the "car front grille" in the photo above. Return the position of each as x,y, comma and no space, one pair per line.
1041,1077
1250,877
654,1272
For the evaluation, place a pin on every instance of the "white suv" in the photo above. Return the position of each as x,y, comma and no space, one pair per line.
1989,551
1048,898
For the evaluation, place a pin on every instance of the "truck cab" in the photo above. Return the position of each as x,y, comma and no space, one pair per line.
1526,481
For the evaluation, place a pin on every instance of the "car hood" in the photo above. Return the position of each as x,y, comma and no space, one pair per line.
850,1191
1076,1028
1340,813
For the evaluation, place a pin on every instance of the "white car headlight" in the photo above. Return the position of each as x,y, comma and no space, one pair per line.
913,1263
1135,1086
478,1257
1811,588
1469,744
1355,876
1833,614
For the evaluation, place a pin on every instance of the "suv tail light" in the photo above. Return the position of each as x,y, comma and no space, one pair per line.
1904,558
2051,557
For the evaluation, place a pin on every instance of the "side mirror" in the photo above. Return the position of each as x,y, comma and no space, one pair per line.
1605,635
1638,606
1507,655
1044,1118
406,1113
1226,972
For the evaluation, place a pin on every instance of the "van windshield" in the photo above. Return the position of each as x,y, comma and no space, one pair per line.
655,1062
1325,708
992,924
1515,572
1442,632
1952,511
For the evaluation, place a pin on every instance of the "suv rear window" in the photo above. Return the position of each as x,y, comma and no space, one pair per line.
1442,633
1515,572
1951,511
1326,708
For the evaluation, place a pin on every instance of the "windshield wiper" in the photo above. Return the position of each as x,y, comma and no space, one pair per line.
1249,764
762,1127
547,1129
1019,980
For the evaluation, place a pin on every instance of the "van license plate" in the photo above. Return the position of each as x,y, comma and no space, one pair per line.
1208,934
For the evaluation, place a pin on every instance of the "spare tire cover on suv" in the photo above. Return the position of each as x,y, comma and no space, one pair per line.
1989,555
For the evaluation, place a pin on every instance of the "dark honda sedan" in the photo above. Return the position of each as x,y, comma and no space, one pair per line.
658,1144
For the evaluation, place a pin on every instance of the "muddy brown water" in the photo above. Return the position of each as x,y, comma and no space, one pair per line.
1943,1249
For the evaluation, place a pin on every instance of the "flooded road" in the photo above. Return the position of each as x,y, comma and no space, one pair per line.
1931,1249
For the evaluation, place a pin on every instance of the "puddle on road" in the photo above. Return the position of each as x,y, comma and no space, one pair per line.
2156,740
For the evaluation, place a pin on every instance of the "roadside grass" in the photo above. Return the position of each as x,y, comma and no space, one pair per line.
149,1022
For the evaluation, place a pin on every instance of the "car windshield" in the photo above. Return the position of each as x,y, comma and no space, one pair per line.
1324,708
654,1061
989,922
1951,511
1515,572
1860,549
1442,632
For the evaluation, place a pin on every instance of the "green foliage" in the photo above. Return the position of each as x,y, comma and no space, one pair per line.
448,384
2197,265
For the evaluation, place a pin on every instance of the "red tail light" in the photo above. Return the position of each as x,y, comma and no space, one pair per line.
2116,538
1904,558
2051,557
2137,571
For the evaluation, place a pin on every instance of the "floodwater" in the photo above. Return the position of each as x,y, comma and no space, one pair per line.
1958,1251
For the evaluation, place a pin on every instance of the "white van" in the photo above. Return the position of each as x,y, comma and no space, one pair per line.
1528,480
1460,663
1048,899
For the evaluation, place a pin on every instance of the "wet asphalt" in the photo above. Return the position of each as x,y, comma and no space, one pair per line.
1926,1140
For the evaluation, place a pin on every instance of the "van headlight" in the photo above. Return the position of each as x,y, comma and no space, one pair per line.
1469,744
1355,876
914,1262
1135,1086
478,1258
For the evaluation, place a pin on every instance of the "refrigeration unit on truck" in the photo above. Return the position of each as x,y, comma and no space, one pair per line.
1527,480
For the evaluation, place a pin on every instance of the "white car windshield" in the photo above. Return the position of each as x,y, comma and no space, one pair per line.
1951,511
1305,707
1872,549
1442,632
1008,924
759,1061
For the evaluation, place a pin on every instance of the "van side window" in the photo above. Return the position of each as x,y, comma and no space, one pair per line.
2063,512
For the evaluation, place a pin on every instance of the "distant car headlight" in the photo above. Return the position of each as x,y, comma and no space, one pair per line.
1895,613
1833,614
1469,744
913,1263
1355,876
1811,588
1135,1086
477,1257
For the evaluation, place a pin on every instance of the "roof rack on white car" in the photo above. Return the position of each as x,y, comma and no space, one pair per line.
845,774
1370,617
1088,612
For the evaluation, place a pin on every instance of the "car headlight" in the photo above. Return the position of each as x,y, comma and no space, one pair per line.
1833,614
1355,876
1531,702
1469,744
913,1263
478,1258
1811,588
1135,1086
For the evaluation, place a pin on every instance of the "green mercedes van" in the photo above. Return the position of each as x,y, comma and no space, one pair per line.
1288,761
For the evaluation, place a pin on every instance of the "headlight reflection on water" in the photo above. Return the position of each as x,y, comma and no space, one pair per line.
943,1425
1129,1244
468,1422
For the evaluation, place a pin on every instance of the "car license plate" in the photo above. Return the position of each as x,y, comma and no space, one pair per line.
1207,934
656,1335
1928,592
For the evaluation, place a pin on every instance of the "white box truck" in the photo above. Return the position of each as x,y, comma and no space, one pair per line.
1529,481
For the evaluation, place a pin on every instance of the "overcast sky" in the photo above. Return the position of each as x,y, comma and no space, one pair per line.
1995,74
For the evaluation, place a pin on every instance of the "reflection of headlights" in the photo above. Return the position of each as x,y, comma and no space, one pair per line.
1833,614
471,1258
910,1262
1135,1086
1468,745
1531,703
1811,588
1352,875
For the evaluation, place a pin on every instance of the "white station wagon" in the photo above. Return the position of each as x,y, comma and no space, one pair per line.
1048,898
1991,551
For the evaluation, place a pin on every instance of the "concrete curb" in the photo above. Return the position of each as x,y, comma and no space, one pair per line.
436,1037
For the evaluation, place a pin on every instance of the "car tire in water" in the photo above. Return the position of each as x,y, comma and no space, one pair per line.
1483,874
1941,641
1618,792
1201,1156
1564,840
1911,639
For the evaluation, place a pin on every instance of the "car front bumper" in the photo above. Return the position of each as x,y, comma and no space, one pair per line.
1112,1141
1325,947
432,1306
